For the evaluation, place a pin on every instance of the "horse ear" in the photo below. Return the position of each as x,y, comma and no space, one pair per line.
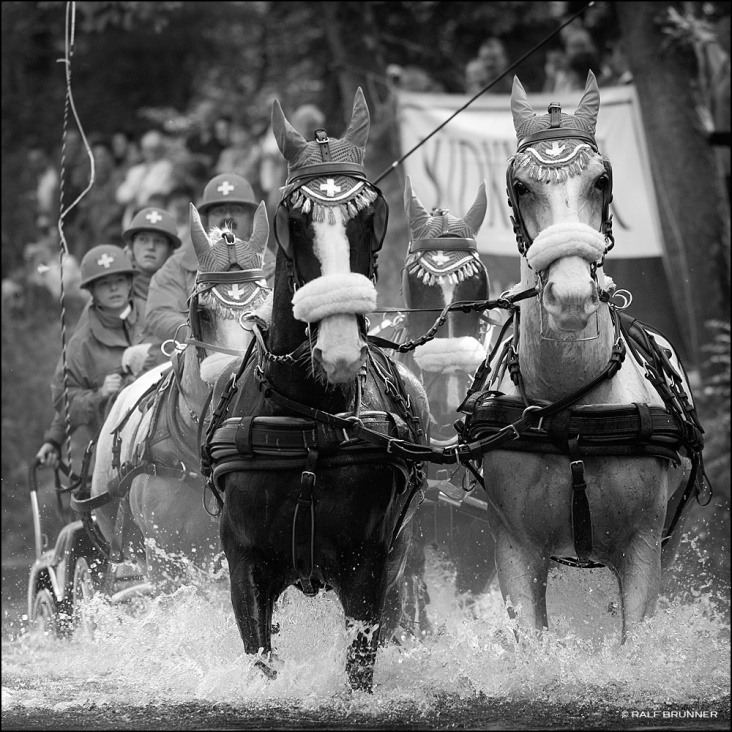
474,218
417,214
589,105
200,240
520,107
358,129
260,233
289,140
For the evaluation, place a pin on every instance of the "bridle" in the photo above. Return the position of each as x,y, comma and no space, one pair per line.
209,282
555,132
298,181
445,242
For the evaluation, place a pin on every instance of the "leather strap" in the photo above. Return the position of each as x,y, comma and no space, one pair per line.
350,170
446,244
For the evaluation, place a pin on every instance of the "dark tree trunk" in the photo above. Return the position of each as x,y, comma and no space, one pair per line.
353,42
690,196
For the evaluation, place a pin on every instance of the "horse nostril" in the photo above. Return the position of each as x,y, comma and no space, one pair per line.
318,355
549,295
364,353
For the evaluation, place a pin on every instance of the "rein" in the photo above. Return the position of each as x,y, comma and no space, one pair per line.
505,302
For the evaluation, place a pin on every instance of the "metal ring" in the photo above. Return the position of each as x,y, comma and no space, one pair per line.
626,296
179,347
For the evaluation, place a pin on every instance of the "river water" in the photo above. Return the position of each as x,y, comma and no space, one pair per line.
177,662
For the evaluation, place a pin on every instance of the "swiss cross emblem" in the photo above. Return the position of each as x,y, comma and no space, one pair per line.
105,261
556,149
330,187
236,291
153,217
439,258
225,188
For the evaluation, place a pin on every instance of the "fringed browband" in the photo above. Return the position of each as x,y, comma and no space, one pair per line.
555,162
321,195
434,267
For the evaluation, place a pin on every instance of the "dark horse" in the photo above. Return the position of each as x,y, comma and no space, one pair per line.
312,496
443,267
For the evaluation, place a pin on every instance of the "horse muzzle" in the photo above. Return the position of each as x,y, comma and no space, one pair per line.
340,351
570,305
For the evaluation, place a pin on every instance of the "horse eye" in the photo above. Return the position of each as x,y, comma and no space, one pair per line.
204,316
602,183
520,189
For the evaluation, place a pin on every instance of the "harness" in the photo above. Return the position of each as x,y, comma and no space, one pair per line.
578,431
297,194
161,400
555,132
313,441
212,282
492,421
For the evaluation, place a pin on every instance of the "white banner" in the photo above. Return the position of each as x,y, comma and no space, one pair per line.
447,170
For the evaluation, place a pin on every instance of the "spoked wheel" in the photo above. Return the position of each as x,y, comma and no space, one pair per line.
82,591
45,613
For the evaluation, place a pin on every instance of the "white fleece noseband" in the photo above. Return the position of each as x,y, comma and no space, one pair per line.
447,355
347,293
565,240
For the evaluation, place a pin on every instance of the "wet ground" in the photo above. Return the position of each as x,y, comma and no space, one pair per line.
177,663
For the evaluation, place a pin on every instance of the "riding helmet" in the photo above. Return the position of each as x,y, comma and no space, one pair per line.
227,188
104,260
153,219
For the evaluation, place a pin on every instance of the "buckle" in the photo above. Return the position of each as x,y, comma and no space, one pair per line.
533,408
307,478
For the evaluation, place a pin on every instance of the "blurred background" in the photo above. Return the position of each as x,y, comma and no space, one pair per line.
204,74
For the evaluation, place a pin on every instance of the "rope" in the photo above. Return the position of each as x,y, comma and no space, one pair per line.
69,33
484,89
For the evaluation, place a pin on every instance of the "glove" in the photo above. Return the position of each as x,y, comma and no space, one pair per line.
134,357
48,455
112,384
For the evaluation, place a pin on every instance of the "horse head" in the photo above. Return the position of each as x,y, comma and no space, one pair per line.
329,226
560,189
229,283
442,267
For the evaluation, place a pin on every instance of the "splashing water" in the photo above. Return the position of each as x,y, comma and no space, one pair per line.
186,647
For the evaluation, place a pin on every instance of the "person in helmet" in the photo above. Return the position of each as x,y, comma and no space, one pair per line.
150,239
228,200
115,321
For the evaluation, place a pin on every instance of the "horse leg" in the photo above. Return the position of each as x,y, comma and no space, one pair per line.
474,552
252,599
638,569
362,594
407,596
522,575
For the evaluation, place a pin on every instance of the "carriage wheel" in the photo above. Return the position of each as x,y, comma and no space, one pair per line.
82,591
45,616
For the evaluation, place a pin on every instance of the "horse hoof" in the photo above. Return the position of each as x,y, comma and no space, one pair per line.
361,681
268,671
